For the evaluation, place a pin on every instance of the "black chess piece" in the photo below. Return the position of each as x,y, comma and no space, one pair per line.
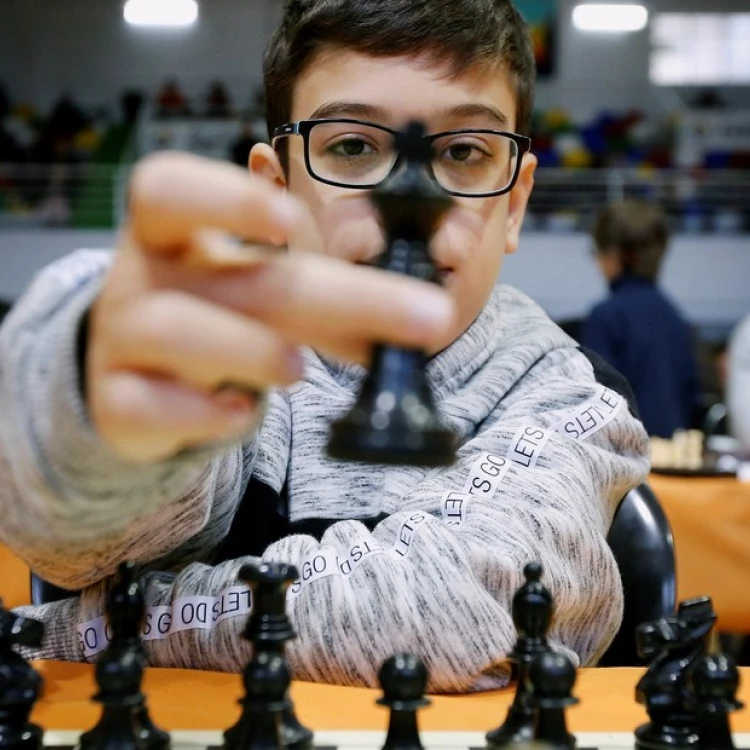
125,723
268,629
266,680
552,677
119,674
126,611
395,420
715,680
403,678
673,645
20,684
532,614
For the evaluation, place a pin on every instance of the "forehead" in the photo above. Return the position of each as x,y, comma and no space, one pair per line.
402,88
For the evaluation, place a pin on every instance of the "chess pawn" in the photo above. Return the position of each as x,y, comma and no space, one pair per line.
269,628
395,420
126,612
20,684
714,680
552,677
266,680
119,673
532,614
403,679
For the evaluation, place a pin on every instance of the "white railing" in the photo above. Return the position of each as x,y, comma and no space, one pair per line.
94,195
61,195
696,201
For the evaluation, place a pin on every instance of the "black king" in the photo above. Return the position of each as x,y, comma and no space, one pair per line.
395,420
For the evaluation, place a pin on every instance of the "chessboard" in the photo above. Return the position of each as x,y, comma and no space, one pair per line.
187,740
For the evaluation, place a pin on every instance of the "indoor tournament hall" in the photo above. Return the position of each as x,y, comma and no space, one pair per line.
374,374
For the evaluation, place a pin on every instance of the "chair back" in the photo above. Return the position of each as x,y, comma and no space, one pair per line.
642,543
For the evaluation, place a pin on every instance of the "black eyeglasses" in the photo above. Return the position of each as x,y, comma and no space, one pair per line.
470,163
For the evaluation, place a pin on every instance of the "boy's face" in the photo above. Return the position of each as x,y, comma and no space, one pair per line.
469,245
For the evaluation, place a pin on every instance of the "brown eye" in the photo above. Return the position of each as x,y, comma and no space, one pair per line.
460,152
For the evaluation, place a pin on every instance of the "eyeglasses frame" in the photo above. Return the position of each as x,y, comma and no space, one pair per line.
304,128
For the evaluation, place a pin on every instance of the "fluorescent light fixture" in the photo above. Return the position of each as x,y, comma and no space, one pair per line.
163,13
610,18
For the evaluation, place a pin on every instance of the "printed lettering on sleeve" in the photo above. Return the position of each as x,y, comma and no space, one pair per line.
486,474
321,565
454,506
527,446
185,613
408,532
595,414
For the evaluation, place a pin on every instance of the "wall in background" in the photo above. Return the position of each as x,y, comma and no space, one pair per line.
48,46
706,275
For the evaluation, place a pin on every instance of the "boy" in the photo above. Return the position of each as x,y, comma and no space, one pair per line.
131,454
738,386
638,330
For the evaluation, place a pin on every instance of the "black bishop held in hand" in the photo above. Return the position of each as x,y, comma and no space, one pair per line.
395,420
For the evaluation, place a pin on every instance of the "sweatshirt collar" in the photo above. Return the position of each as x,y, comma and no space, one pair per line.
451,368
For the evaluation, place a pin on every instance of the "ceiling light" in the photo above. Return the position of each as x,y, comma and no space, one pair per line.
164,13
610,17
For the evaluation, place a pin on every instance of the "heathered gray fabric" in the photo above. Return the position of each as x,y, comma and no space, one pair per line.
74,510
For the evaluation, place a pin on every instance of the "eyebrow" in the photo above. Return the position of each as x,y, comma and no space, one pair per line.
373,113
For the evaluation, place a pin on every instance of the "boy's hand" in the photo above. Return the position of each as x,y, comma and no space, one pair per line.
186,311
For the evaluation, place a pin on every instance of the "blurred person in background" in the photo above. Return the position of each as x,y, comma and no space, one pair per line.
738,385
239,150
171,102
218,102
637,329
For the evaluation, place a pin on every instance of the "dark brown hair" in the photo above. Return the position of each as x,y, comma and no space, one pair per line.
456,33
638,232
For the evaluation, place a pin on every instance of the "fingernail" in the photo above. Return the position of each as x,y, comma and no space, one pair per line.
435,310
285,211
295,364
234,400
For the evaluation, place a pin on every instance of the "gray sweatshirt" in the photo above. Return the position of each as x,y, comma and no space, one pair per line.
390,559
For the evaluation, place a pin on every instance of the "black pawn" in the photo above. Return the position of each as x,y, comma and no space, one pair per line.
119,674
715,680
403,679
20,684
532,614
269,628
266,680
395,420
126,611
552,677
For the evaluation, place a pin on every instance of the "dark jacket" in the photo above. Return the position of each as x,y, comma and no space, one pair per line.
642,334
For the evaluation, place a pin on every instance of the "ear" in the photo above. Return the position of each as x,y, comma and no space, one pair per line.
264,162
519,200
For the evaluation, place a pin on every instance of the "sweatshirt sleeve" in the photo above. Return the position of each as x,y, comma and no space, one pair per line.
71,507
437,575
738,390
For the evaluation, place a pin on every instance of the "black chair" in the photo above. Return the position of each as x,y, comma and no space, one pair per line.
641,541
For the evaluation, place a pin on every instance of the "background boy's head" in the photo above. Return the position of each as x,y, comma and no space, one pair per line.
454,64
631,237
